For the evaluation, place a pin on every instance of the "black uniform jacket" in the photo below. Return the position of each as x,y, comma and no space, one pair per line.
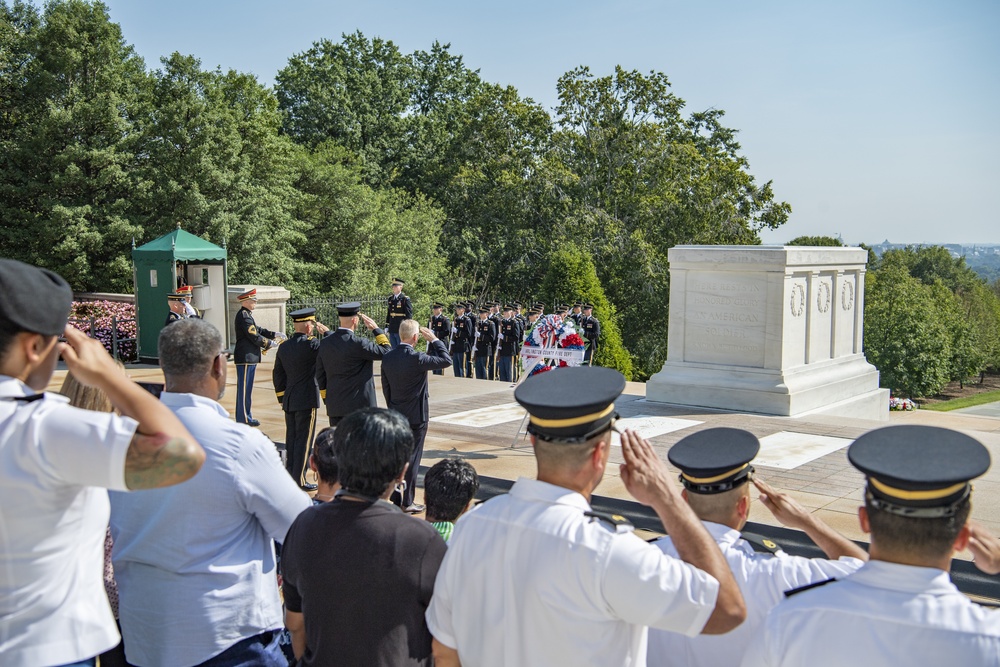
294,373
511,331
250,339
461,339
487,337
400,309
441,326
404,378
172,317
344,370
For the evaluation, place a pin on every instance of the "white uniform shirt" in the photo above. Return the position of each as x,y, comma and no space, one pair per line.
763,580
55,463
883,615
529,580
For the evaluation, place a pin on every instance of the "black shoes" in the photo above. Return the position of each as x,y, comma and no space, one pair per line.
253,422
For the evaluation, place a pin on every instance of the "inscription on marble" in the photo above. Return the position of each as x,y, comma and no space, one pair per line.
725,319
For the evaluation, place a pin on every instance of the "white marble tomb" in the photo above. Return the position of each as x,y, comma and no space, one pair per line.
769,329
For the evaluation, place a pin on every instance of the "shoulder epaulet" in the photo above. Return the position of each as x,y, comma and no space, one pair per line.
616,521
761,543
815,584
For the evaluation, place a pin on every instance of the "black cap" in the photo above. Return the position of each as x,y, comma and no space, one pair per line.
398,281
561,309
348,309
714,460
508,307
534,311
303,315
587,306
459,305
484,309
517,304
176,296
578,304
918,471
437,304
539,304
33,299
570,404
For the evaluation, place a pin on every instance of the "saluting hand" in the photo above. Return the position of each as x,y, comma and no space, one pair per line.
369,322
785,509
645,475
322,328
427,334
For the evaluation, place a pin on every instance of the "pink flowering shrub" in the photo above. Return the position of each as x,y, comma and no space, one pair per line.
107,316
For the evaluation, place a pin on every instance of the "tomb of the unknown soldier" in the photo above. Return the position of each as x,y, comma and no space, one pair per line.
769,329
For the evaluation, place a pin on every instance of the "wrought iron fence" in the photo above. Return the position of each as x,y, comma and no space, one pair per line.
372,305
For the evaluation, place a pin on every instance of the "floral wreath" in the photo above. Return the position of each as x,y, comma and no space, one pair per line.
551,331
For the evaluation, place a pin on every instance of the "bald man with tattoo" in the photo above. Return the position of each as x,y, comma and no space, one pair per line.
55,463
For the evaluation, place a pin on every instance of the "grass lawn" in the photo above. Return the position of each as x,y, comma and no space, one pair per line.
964,402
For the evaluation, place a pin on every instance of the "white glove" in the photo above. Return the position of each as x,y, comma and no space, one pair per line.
454,329
272,344
477,333
281,335
500,337
189,309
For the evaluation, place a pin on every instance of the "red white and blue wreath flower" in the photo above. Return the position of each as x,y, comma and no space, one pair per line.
552,342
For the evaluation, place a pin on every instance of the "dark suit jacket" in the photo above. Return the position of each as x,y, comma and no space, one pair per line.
294,373
344,370
404,379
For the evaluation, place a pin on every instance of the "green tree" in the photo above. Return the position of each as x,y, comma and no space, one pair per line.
69,82
816,241
904,337
636,178
354,93
571,277
215,164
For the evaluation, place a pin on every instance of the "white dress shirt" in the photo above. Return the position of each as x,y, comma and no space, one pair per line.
763,579
195,562
530,581
55,463
883,615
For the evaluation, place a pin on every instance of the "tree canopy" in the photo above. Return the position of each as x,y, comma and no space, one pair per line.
363,162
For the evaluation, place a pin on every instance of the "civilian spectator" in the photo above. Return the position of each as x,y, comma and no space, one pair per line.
449,489
55,463
324,463
195,564
358,572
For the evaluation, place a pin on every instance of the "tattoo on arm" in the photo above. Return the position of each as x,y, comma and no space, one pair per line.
155,461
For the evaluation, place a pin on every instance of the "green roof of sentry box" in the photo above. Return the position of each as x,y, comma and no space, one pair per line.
179,245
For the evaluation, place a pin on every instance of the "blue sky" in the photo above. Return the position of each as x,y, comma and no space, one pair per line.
874,119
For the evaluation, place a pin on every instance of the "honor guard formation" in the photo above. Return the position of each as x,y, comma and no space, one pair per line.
181,507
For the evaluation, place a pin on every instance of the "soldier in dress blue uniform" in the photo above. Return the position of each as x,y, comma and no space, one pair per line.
175,301
470,310
462,335
294,378
577,314
344,369
522,324
441,326
510,331
251,340
484,343
495,319
591,331
399,309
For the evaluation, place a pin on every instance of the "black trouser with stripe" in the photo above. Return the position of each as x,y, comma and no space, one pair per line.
299,426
